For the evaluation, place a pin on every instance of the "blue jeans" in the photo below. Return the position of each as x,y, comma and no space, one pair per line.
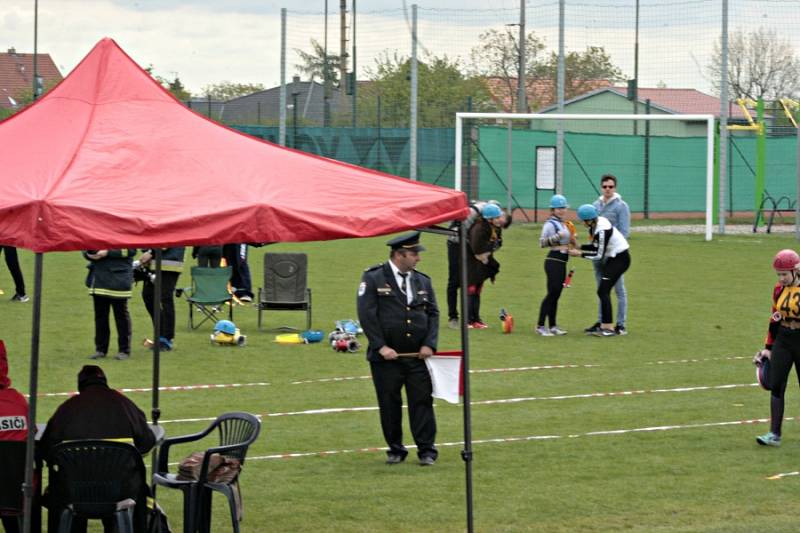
622,297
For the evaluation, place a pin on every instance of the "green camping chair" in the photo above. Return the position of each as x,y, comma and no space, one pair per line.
208,293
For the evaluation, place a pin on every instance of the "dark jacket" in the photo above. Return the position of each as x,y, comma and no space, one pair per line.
98,412
388,320
171,260
483,237
111,276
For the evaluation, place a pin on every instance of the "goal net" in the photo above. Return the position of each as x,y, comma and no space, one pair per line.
664,163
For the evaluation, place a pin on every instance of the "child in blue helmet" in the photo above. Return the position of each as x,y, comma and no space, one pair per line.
558,235
484,237
609,248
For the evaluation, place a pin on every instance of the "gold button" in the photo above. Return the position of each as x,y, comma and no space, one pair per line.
408,322
408,334
408,309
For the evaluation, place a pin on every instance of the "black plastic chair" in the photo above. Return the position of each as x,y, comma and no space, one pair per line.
97,479
236,431
285,286
12,466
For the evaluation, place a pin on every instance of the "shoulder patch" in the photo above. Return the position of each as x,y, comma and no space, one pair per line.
362,288
424,275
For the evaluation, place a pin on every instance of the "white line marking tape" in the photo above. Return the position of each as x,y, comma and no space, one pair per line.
334,410
684,361
530,438
170,388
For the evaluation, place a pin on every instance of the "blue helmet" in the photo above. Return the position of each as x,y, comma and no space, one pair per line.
490,211
557,201
587,212
225,326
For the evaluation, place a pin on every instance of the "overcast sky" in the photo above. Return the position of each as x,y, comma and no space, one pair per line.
201,41
209,41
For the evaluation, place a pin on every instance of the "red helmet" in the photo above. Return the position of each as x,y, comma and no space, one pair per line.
786,260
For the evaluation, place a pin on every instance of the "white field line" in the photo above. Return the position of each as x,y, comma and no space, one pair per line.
354,378
333,410
170,388
531,438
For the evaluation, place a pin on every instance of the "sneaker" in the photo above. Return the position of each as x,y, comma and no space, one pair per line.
394,458
121,356
22,298
770,439
477,325
602,332
246,298
97,355
591,329
555,330
453,323
620,330
427,460
165,344
544,332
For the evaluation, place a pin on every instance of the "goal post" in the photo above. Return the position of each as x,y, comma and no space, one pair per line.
556,117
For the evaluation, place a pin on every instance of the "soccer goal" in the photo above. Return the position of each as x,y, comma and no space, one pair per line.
664,163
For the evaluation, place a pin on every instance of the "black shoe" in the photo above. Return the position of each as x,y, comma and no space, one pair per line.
427,460
591,329
394,459
602,332
21,298
620,330
121,356
97,355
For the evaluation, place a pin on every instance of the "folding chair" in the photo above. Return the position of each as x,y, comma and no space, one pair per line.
285,286
236,431
208,293
96,479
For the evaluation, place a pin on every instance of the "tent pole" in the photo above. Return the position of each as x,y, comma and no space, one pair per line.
156,411
33,391
466,453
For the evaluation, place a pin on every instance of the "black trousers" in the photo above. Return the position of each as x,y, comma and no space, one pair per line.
168,282
613,269
122,319
453,279
12,262
389,377
236,257
785,353
555,268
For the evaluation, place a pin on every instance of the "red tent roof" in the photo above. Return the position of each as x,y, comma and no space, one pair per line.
109,159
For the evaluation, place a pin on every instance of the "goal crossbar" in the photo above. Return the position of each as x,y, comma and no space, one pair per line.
707,118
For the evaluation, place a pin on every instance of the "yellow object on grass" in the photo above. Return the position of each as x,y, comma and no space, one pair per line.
289,338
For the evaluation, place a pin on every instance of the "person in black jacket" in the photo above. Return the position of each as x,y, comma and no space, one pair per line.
110,281
12,262
171,268
97,412
398,312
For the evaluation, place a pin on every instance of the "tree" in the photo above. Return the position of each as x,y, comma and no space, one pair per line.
226,90
497,56
760,65
317,65
582,70
442,90
175,86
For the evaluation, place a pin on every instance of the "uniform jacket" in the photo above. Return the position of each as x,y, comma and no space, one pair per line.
386,318
98,412
483,237
112,275
171,260
617,212
13,416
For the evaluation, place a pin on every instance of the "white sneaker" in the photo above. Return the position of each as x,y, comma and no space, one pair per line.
454,323
555,330
543,331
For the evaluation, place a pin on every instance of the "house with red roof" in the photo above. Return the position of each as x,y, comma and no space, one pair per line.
656,101
16,75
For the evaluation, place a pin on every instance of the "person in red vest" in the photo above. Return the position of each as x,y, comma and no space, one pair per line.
13,428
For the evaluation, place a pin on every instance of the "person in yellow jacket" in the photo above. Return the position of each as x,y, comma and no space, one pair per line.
109,282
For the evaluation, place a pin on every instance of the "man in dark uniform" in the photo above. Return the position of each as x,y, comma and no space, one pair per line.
398,312
97,412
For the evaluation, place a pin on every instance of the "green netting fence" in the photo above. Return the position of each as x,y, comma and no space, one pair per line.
676,179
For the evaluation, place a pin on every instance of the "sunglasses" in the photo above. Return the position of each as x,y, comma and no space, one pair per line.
607,186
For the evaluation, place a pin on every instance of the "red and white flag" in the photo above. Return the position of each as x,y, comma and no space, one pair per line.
446,374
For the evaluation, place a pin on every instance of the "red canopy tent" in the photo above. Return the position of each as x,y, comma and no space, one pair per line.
109,159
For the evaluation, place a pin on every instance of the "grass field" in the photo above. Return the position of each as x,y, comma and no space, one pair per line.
649,432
